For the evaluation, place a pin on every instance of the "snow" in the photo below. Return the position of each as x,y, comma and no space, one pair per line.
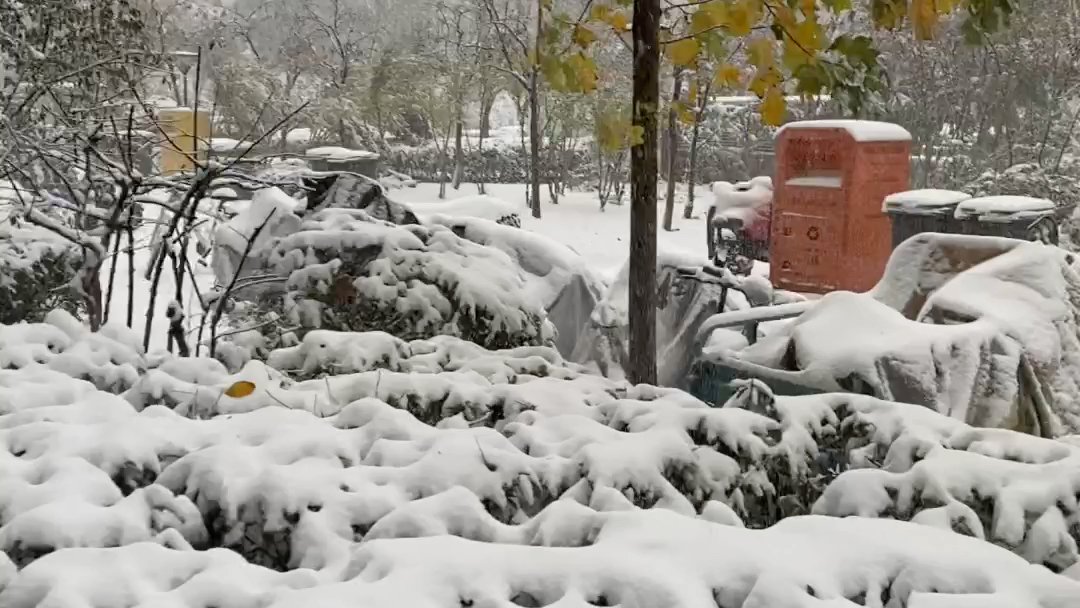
441,480
298,136
480,206
339,153
863,131
601,238
1003,208
927,200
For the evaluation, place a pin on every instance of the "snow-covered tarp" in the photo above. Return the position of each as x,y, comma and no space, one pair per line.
555,275
982,329
440,474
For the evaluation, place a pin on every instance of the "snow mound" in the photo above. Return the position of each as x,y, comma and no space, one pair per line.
480,206
347,270
555,275
514,475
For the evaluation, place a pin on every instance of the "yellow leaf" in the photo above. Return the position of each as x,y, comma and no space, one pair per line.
773,107
708,16
924,18
808,7
599,12
618,21
683,52
760,52
583,36
584,73
686,115
742,16
728,75
637,135
801,43
243,388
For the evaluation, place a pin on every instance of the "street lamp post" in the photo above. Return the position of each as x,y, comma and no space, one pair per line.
184,61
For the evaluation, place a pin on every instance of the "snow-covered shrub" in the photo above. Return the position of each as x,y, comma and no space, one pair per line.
36,270
517,453
348,271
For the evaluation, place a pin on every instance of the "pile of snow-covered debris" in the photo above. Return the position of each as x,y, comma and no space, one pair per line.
982,329
349,468
348,259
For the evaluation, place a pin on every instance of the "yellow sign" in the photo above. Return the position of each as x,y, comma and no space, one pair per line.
184,136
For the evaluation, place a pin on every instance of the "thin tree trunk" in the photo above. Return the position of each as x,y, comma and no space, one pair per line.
642,362
691,172
534,145
672,148
534,116
459,155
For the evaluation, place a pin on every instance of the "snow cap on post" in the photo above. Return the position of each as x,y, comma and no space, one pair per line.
859,130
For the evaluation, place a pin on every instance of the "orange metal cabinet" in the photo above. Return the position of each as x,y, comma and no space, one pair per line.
828,229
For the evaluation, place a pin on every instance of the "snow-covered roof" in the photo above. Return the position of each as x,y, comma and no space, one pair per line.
926,200
859,130
1004,207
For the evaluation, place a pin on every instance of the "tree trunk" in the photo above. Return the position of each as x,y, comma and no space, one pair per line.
691,172
642,363
534,143
487,101
459,155
534,114
672,148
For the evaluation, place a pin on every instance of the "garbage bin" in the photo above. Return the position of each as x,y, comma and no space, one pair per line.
916,211
343,159
1017,217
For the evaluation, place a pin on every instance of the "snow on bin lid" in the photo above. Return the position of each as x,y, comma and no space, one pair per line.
339,153
1006,207
860,130
927,200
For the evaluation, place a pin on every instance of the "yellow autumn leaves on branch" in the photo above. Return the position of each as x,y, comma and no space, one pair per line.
772,48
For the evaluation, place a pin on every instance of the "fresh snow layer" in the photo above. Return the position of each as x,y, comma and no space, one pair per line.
1003,207
860,130
927,200
339,153
479,206
436,473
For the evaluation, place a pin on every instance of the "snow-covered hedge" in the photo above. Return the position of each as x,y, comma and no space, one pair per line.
513,474
36,268
348,271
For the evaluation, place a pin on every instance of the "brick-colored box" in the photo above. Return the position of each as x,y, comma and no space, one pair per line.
828,229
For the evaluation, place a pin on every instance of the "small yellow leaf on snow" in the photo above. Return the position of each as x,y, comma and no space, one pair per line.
683,52
243,388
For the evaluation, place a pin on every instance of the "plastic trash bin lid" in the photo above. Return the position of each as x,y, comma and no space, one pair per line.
928,200
1003,208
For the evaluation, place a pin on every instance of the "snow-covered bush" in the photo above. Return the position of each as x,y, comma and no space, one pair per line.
36,270
348,271
514,474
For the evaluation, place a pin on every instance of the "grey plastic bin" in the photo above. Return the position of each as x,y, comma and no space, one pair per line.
1018,217
916,211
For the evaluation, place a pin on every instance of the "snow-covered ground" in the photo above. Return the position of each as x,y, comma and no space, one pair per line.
438,474
602,238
